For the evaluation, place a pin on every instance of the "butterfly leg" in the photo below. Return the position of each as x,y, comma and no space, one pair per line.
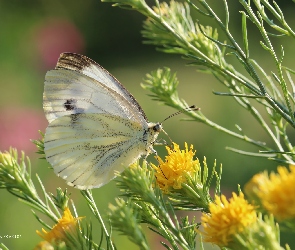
161,142
152,151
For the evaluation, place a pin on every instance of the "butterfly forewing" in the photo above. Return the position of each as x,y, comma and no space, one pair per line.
70,92
88,67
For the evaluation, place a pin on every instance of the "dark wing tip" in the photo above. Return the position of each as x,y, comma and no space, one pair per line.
73,61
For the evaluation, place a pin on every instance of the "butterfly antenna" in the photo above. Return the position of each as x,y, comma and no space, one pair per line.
191,108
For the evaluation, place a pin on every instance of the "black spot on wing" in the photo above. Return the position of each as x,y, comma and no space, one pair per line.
70,104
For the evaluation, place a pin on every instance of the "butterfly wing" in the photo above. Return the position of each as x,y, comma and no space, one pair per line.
80,85
86,149
95,124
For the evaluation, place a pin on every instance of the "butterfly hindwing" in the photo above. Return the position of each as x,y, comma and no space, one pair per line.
87,157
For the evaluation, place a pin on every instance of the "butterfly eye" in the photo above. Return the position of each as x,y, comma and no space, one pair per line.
157,127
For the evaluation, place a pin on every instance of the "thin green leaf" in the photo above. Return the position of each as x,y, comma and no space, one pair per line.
245,34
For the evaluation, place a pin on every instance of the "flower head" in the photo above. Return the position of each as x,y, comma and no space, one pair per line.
58,233
276,192
178,163
227,218
252,188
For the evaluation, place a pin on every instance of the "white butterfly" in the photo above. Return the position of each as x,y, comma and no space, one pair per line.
95,126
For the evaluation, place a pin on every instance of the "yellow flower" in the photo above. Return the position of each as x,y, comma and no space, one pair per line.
257,180
252,188
227,218
276,193
58,233
178,163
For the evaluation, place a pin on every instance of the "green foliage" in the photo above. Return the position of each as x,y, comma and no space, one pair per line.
87,194
15,177
40,145
263,235
170,27
125,217
164,87
146,204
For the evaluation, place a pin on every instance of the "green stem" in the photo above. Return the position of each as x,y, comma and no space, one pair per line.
276,15
92,205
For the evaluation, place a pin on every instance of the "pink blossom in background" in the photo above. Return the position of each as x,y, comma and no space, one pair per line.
18,126
55,36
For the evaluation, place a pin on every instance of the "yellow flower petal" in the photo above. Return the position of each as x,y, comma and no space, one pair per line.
227,218
277,193
178,163
57,233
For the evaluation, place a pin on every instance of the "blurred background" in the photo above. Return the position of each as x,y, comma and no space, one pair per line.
33,34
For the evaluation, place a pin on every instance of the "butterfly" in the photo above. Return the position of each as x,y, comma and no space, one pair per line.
96,127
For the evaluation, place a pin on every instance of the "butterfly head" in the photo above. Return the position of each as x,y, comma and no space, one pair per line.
153,131
157,127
